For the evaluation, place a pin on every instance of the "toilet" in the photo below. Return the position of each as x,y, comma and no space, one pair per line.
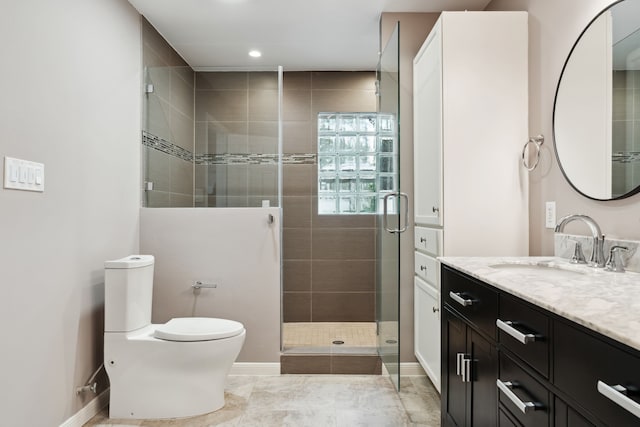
172,370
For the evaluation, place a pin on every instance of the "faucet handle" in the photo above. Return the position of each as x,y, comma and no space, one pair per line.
578,255
615,263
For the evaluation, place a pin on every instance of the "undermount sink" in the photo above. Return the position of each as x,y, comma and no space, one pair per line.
537,269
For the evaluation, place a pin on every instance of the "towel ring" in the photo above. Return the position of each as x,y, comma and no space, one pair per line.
537,142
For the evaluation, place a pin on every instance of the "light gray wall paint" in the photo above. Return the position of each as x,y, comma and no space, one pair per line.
70,99
554,26
235,248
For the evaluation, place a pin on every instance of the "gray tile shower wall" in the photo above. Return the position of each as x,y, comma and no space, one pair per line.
329,269
329,266
168,136
236,146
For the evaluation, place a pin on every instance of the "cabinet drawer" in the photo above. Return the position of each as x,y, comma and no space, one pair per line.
429,240
567,417
517,389
474,301
586,368
505,420
426,268
524,331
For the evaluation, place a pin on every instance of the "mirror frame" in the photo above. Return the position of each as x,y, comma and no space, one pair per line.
636,189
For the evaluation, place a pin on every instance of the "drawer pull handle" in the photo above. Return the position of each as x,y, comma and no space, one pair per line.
462,301
507,326
435,309
423,240
505,387
615,394
423,268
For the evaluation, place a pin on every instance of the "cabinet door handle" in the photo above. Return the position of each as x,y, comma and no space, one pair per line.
505,387
507,326
466,370
423,240
614,393
423,268
462,301
459,358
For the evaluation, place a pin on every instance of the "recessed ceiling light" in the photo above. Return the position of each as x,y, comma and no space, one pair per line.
255,53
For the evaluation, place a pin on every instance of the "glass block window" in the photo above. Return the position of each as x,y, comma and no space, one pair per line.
357,162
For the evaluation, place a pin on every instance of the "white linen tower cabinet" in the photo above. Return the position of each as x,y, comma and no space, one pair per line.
470,83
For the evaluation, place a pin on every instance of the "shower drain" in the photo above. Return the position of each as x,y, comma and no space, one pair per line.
338,342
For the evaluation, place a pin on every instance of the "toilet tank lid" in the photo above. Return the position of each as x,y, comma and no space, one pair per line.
132,261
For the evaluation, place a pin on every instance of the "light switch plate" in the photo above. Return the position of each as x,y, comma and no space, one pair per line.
23,175
550,214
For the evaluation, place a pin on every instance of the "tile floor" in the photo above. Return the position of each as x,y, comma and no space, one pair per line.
310,401
356,336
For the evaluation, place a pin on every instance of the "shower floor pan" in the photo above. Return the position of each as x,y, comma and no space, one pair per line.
329,338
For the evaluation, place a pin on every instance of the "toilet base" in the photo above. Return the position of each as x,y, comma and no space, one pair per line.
158,379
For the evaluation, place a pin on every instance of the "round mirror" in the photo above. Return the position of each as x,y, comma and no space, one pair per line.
596,116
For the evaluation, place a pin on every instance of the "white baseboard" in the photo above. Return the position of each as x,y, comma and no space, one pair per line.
407,369
88,411
249,368
411,369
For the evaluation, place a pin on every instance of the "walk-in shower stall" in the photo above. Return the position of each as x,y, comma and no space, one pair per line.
317,146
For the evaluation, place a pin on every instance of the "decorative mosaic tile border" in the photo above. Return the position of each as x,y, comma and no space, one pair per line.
157,143
625,156
152,141
254,159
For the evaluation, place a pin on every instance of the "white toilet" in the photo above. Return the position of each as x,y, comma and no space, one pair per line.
172,370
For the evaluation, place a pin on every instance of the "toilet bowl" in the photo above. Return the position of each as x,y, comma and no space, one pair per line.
171,370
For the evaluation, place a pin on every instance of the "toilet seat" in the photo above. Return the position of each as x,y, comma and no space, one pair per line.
198,329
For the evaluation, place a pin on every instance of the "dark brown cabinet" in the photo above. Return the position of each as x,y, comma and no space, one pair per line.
568,417
471,367
506,362
601,377
470,356
518,390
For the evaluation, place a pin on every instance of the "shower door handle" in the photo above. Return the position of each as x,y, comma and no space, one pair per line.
385,222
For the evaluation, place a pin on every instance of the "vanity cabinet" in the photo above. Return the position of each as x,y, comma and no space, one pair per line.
470,123
544,370
469,352
592,371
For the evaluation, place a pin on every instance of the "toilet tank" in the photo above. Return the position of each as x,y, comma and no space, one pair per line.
128,292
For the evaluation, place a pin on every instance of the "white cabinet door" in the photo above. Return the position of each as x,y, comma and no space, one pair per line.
427,329
427,133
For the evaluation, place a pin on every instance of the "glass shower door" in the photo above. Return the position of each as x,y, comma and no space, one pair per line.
388,220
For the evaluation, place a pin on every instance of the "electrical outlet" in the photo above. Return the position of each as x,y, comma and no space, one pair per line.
550,214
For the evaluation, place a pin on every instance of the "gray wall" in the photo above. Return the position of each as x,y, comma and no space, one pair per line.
553,28
71,100
210,245
237,115
328,260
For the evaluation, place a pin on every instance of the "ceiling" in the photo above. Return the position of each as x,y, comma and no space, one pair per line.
297,34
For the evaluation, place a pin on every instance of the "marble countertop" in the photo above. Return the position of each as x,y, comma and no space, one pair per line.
606,302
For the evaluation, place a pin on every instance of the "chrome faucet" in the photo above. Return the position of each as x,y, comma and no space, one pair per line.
597,252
